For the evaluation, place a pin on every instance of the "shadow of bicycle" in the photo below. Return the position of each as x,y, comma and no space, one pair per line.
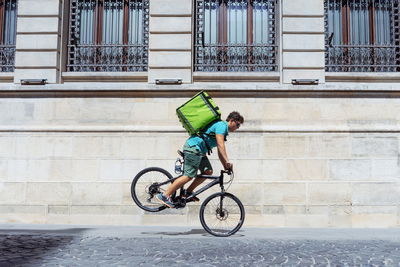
200,232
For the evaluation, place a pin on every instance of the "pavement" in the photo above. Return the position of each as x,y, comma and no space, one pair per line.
74,245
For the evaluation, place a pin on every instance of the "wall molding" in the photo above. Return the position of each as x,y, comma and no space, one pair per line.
343,128
33,91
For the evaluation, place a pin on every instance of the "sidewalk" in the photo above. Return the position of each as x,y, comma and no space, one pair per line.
67,245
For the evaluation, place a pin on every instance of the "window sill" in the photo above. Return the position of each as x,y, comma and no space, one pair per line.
236,76
366,77
6,77
104,76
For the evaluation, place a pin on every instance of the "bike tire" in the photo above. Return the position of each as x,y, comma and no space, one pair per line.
232,208
153,175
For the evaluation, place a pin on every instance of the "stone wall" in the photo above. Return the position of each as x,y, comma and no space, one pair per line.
64,167
323,155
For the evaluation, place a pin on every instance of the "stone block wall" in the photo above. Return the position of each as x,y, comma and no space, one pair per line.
325,155
63,167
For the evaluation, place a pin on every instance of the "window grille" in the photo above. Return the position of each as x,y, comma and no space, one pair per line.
8,26
235,35
108,35
362,35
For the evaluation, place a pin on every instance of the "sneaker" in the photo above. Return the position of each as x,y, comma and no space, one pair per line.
186,194
165,200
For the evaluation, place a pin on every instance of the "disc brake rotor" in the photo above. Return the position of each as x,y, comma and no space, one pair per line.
222,216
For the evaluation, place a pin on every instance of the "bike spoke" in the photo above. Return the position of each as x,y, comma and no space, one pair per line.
148,184
222,214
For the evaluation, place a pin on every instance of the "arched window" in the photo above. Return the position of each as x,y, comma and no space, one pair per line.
8,26
362,35
235,35
108,35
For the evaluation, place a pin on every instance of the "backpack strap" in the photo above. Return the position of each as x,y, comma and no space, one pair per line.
210,135
201,135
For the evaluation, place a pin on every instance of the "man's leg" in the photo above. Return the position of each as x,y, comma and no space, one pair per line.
178,183
206,169
198,181
191,165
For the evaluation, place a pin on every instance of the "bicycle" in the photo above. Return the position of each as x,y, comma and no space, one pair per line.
221,214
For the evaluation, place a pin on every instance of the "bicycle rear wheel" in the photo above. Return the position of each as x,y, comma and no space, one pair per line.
222,214
147,184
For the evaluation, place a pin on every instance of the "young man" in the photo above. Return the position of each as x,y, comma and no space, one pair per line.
195,150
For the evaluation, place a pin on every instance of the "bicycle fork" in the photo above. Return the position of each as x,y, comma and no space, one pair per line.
221,210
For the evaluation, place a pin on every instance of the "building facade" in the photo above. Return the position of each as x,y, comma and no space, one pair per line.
89,88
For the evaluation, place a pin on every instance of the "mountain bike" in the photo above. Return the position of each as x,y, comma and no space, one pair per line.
221,214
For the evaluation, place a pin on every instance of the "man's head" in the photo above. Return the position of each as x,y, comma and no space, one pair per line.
234,120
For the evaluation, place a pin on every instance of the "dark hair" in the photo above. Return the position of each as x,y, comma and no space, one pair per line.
234,115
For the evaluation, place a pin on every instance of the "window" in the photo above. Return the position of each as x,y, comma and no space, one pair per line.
362,35
235,35
108,35
8,23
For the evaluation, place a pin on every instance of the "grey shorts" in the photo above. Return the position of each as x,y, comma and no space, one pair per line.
194,161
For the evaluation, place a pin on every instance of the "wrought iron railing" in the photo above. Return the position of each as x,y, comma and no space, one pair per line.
362,36
108,35
7,56
8,25
362,58
235,35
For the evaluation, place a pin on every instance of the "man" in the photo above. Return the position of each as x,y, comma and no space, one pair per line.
195,150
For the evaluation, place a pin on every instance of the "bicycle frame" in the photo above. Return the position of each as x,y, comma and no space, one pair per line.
217,180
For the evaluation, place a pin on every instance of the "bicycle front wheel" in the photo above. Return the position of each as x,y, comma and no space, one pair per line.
147,184
222,214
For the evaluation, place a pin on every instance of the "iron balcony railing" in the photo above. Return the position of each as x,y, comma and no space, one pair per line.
362,36
235,35
8,25
108,35
7,58
362,58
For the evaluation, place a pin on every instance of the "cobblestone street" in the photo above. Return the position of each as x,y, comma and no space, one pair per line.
133,246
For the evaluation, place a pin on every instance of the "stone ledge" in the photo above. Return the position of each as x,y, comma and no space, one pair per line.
336,128
236,76
362,77
104,76
6,77
223,89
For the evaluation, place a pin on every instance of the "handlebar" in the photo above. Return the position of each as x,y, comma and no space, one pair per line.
229,171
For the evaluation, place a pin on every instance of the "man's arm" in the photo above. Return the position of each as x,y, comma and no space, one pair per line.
223,157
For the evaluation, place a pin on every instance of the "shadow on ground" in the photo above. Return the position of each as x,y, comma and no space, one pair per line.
24,247
201,232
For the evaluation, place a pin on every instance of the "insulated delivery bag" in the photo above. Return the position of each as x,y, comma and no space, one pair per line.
197,113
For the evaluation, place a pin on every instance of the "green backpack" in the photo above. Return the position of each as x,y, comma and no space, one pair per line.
197,113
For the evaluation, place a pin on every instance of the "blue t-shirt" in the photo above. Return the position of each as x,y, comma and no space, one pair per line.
219,127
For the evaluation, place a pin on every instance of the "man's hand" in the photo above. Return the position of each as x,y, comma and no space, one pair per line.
229,166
